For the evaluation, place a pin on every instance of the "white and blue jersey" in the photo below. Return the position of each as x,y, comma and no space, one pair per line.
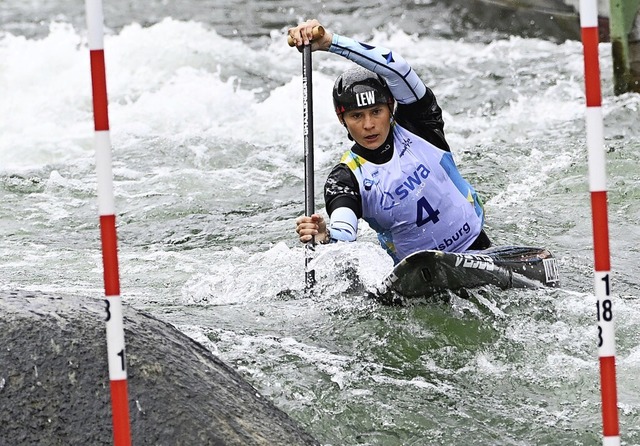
417,200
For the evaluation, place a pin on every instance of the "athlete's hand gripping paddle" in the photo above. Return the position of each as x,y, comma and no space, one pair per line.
318,31
307,131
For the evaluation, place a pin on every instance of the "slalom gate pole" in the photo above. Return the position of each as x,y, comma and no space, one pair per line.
106,209
307,131
598,191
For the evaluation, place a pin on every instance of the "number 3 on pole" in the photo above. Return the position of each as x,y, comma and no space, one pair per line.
115,338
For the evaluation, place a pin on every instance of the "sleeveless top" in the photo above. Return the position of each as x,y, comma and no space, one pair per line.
418,199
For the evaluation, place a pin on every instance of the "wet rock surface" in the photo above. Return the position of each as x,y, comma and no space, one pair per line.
54,384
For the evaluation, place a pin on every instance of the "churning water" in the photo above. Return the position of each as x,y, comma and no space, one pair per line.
206,127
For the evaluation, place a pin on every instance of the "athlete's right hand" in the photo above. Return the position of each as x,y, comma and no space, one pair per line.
308,227
303,35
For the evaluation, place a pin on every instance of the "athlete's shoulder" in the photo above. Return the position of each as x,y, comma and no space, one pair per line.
340,173
424,118
352,161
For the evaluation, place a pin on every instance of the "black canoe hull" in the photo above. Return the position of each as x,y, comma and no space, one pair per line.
428,272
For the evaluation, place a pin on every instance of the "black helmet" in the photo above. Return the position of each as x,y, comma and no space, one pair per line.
359,88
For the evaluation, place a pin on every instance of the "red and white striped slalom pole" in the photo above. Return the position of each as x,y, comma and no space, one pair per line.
106,209
598,189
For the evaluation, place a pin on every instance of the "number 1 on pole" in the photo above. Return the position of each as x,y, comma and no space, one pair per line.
604,314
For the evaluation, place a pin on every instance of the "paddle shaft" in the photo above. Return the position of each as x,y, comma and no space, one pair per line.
307,129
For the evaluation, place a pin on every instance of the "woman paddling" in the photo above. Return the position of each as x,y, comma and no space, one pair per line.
399,175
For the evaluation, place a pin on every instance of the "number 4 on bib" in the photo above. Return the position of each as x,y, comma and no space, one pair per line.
425,208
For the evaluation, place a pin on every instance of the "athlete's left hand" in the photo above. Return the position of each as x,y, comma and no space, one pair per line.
314,226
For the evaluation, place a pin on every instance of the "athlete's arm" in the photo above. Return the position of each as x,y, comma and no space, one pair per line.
341,190
343,226
404,83
343,203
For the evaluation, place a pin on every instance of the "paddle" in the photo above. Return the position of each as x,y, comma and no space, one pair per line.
307,132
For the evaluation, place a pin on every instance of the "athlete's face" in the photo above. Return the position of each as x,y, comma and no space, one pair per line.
369,126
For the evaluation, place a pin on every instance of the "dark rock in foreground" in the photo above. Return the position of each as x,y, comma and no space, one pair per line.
54,384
